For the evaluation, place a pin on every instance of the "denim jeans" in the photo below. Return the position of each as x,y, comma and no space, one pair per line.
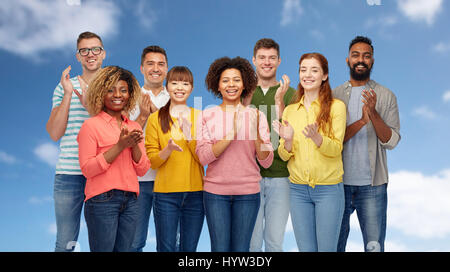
174,213
68,194
370,203
111,220
316,215
145,204
231,220
272,216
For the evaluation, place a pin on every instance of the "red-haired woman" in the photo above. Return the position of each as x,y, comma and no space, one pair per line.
312,133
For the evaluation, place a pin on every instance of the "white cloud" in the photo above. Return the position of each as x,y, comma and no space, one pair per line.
419,205
35,200
446,96
47,152
424,112
7,158
28,28
441,47
291,10
420,10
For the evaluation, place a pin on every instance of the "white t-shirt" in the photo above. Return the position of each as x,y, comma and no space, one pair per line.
159,101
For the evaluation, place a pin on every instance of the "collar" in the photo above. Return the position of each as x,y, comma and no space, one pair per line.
162,92
108,118
302,102
371,84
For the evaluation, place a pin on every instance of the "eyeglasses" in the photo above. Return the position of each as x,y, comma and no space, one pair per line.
85,51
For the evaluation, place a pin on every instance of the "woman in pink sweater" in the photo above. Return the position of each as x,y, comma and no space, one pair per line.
232,140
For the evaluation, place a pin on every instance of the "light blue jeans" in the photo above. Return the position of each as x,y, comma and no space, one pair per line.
145,203
68,194
272,216
370,203
316,215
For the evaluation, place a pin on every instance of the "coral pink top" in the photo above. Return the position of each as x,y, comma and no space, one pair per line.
235,171
97,135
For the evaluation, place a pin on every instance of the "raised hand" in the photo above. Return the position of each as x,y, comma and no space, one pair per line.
130,139
370,101
83,95
185,126
145,105
172,146
312,131
285,130
279,95
65,81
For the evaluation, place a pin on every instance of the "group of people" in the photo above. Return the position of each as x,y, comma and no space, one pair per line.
269,150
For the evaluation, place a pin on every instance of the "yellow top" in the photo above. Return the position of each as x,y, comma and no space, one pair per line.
307,163
181,171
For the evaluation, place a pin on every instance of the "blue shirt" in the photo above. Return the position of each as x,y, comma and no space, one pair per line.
356,149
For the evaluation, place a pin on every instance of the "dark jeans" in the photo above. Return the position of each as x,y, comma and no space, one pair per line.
175,213
111,220
231,220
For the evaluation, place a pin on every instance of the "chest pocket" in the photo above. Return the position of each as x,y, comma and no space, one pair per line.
107,140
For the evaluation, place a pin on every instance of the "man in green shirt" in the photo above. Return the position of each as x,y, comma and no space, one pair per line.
271,97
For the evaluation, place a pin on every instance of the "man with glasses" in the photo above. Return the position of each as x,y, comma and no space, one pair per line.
67,115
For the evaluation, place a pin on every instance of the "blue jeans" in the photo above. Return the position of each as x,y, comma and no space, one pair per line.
145,203
111,220
231,220
370,203
316,215
68,194
178,213
272,216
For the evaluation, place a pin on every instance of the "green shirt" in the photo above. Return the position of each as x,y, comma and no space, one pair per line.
266,104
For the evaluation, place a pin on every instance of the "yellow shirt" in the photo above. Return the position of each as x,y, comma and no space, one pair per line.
307,163
181,171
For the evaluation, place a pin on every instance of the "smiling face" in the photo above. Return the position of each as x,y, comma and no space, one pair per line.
311,74
360,61
90,62
116,98
179,91
231,86
154,68
266,61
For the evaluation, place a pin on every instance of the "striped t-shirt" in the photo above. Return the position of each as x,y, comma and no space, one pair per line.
68,157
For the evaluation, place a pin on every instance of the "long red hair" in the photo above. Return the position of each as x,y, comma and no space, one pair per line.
325,95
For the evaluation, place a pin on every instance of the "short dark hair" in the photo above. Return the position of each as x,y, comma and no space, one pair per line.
88,35
266,43
249,78
152,49
360,39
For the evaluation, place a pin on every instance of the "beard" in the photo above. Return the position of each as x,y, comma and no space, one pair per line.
358,75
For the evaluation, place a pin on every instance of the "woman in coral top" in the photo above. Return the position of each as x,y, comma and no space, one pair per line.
312,135
112,155
232,140
178,190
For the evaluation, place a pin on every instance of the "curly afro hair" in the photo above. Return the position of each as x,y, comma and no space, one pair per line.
219,65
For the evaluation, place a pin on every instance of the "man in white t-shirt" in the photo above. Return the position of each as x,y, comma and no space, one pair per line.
154,68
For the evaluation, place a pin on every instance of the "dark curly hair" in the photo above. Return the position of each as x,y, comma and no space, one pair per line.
249,78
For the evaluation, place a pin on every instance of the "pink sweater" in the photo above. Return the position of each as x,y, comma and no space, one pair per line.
235,171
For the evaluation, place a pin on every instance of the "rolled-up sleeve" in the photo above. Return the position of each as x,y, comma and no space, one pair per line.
144,163
332,146
392,120
91,163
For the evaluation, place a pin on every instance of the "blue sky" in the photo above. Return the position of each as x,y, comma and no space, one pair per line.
412,49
